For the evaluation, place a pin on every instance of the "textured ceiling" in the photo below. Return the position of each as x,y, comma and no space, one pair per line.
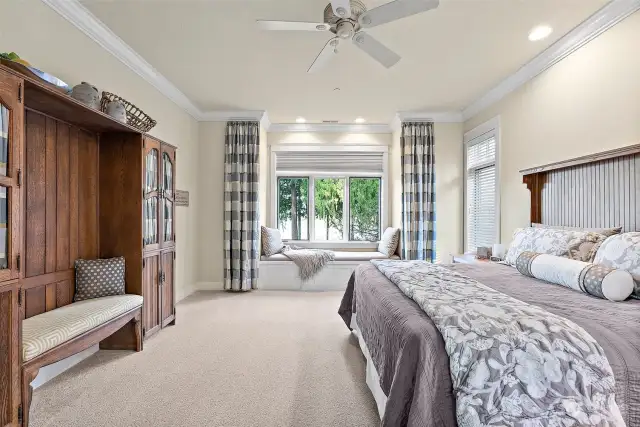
213,52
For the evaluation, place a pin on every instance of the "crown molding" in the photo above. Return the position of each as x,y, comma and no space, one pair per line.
430,116
265,123
605,18
96,30
330,128
225,116
425,116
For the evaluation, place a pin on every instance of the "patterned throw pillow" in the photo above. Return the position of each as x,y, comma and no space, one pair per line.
622,251
593,279
563,243
389,242
97,278
587,250
271,241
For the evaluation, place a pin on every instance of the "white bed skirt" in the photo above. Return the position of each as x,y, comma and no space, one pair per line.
372,377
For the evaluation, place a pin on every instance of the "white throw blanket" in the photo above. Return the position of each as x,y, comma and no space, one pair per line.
309,261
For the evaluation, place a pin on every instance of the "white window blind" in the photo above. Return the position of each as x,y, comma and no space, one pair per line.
481,193
329,161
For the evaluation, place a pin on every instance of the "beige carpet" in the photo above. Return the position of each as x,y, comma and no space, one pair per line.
257,359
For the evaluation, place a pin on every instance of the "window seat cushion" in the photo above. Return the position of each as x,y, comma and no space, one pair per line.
45,331
339,256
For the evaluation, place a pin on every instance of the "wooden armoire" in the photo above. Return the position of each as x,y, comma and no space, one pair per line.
158,234
74,183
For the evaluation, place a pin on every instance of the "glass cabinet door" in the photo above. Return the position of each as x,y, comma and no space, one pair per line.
152,194
168,193
11,125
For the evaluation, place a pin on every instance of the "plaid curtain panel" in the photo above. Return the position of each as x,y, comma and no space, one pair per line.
418,192
241,221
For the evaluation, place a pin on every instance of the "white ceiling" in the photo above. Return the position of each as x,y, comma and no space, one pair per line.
213,52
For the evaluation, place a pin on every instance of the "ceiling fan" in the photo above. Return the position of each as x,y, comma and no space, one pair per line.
346,19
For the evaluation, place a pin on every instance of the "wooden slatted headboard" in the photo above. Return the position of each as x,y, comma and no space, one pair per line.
599,190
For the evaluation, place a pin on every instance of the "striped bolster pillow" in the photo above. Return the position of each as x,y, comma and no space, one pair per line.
593,279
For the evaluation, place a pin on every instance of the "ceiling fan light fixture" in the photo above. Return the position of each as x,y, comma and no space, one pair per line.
301,120
345,30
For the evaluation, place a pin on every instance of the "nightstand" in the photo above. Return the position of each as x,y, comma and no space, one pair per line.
467,259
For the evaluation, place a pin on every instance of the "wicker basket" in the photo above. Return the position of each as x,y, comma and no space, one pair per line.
135,116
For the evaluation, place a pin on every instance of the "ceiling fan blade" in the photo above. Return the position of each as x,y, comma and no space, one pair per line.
292,26
341,8
325,55
395,10
376,50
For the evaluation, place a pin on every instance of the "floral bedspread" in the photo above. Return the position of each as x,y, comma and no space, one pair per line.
511,363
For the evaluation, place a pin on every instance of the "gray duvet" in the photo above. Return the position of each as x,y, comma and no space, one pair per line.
409,354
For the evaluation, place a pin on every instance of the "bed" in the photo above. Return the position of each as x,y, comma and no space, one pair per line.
407,365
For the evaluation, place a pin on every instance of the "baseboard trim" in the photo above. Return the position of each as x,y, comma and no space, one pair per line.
209,286
49,372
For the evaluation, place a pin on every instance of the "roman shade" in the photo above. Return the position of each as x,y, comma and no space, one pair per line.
321,161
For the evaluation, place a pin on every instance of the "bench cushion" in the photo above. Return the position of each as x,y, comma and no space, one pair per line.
45,331
339,256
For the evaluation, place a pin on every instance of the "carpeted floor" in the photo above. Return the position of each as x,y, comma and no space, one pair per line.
233,360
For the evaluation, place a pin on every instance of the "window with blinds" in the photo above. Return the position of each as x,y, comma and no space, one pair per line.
324,195
481,228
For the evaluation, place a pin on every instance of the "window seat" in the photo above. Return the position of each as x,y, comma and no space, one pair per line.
339,256
278,272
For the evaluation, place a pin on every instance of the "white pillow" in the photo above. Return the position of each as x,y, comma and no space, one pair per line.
389,241
271,241
622,251
593,279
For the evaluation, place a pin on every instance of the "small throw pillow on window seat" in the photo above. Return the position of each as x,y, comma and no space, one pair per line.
271,241
96,278
389,242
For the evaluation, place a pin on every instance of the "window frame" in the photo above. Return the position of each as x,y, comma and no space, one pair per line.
482,132
331,244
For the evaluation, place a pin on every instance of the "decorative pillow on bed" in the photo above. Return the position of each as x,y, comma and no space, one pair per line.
271,241
389,242
593,279
623,252
563,243
96,278
587,250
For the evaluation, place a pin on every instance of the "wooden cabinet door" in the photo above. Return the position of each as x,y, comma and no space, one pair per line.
168,184
151,292
152,194
167,287
11,135
9,355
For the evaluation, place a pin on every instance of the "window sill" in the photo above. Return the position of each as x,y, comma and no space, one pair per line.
323,244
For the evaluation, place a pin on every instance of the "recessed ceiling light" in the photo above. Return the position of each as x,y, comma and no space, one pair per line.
360,120
301,120
540,32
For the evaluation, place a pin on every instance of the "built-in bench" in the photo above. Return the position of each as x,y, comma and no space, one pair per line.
114,322
277,272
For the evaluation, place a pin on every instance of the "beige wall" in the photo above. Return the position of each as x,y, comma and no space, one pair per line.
449,179
49,42
587,103
211,210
